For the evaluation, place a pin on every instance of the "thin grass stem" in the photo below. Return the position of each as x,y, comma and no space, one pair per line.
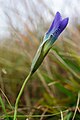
19,95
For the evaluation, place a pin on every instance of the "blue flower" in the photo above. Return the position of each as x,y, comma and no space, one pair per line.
56,28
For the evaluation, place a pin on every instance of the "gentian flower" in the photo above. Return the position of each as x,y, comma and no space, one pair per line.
56,28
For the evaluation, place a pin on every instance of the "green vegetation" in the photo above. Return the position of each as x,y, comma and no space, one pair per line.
52,92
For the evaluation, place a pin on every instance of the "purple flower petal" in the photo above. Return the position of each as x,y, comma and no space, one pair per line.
55,22
57,18
63,24
61,27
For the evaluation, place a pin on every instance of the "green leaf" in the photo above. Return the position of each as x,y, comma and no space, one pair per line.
68,116
64,90
3,107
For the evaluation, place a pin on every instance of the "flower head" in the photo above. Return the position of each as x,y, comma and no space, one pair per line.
56,28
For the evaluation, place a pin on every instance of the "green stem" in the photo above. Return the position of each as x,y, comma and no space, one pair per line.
19,95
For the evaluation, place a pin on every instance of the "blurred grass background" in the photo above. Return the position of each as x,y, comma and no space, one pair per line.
53,92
